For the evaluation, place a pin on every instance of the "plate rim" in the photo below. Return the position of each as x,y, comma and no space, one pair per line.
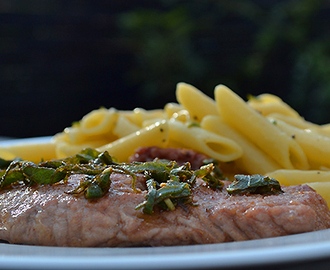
269,251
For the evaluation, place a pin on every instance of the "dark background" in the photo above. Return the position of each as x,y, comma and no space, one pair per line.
61,59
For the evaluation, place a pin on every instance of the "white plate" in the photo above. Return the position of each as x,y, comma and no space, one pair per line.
287,250
266,252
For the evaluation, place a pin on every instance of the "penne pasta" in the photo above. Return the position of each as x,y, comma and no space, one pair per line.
139,115
99,121
171,108
124,127
6,155
293,121
326,128
64,149
322,188
267,104
152,121
300,123
265,98
195,102
75,135
298,177
155,135
316,179
253,160
34,151
258,129
182,116
201,140
315,146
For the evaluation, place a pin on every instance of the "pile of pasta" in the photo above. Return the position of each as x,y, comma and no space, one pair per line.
263,135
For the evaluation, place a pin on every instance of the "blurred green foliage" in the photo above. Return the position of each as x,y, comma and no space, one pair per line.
60,59
280,47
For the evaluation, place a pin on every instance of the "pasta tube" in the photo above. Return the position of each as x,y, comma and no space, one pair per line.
315,146
182,116
253,160
267,104
300,123
298,177
154,135
171,108
7,155
196,102
124,127
65,149
74,135
322,188
99,121
34,151
255,127
316,179
139,115
293,121
203,141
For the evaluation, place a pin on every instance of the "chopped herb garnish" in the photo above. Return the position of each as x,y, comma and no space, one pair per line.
168,183
5,163
193,124
172,185
89,162
254,184
214,178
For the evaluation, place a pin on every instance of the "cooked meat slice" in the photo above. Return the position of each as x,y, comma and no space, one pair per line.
180,155
46,215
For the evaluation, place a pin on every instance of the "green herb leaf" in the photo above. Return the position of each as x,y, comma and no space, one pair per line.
93,191
10,177
150,197
88,161
254,184
41,175
168,183
5,163
205,172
